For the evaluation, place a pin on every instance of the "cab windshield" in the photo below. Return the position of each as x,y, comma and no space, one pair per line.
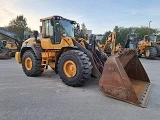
68,27
152,38
158,38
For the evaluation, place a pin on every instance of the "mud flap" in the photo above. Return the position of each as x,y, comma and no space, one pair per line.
124,78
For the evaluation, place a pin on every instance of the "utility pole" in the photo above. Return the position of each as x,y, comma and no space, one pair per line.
149,27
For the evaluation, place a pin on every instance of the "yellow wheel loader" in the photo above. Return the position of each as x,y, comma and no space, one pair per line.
109,45
150,46
75,62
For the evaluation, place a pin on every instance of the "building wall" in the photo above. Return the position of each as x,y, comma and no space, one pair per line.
89,32
99,37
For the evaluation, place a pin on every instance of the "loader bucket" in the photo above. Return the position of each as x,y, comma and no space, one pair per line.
124,78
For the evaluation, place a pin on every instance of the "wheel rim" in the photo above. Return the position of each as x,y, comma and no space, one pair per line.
28,63
70,68
147,53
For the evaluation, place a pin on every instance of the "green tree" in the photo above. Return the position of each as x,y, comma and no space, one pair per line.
76,31
121,33
84,30
105,35
18,26
145,31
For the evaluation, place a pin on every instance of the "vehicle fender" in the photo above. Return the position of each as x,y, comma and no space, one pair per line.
36,50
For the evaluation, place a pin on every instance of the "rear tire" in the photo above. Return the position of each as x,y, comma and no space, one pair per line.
30,65
74,68
150,53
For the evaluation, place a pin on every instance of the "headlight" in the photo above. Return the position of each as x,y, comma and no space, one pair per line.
131,38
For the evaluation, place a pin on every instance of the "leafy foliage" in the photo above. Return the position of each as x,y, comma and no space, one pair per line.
105,35
18,26
121,33
84,30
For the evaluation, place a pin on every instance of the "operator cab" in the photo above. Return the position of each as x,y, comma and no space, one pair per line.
131,41
158,39
151,38
56,27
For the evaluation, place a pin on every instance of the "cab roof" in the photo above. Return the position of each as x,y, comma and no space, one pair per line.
55,16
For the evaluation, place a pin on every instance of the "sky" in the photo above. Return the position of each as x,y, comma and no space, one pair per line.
98,15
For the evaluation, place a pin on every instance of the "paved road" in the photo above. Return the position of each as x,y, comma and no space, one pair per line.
47,98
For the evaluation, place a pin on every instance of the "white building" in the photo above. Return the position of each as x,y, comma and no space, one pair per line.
99,37
89,32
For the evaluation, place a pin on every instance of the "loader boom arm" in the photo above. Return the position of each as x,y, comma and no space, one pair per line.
110,40
10,35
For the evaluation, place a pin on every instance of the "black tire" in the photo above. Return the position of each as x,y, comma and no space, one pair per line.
83,67
150,53
36,68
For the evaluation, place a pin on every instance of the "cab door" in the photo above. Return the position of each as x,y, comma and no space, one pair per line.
52,31
57,32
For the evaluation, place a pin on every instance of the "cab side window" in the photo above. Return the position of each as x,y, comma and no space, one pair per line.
48,29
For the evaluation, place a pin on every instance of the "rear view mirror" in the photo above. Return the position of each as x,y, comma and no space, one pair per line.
52,22
78,26
4,43
35,33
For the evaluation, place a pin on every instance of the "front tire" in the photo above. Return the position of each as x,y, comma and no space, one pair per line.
74,68
150,53
30,65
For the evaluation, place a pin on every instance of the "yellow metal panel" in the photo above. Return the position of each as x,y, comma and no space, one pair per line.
52,54
18,57
52,65
48,54
47,44
43,54
30,41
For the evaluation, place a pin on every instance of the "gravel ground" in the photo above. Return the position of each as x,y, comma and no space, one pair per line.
47,98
